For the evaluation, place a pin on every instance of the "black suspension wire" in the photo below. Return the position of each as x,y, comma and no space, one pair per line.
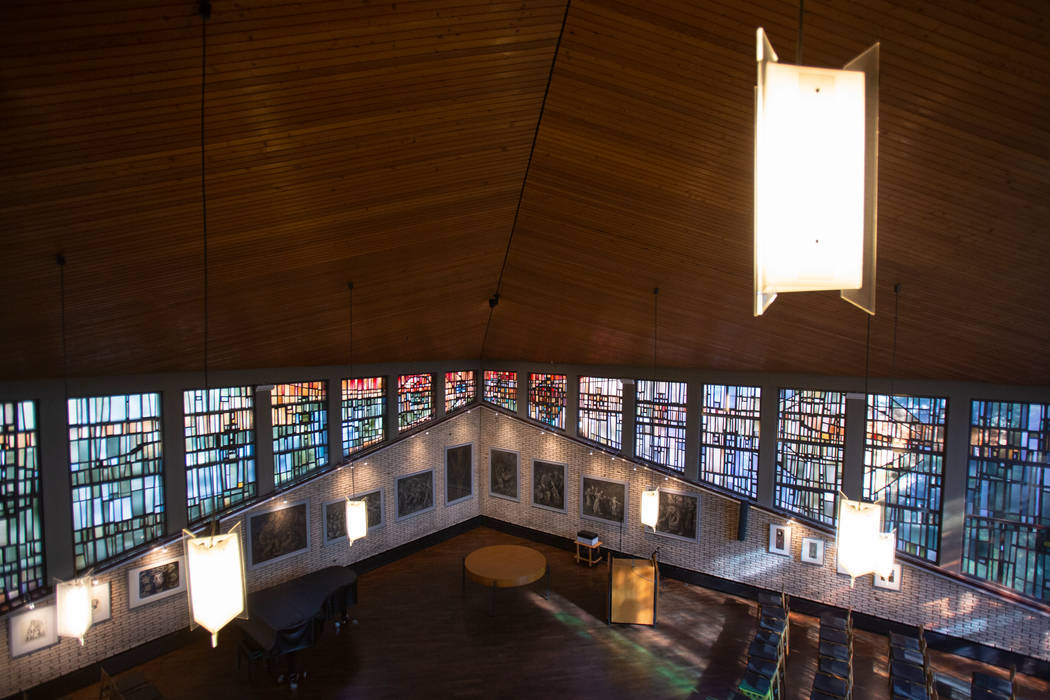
60,259
204,9
798,43
350,358
896,317
867,357
656,340
494,300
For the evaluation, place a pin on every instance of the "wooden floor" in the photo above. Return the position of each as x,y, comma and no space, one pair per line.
418,635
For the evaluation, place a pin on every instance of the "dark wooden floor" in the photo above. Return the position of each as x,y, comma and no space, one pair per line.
419,636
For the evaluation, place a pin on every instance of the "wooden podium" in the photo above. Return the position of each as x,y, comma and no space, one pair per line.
633,589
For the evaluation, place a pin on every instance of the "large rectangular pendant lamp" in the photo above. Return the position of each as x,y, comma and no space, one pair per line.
216,580
73,599
862,546
816,174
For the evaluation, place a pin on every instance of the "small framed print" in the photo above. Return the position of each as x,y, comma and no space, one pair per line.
603,499
780,539
813,551
100,602
32,630
891,582
459,473
548,485
415,494
279,533
156,581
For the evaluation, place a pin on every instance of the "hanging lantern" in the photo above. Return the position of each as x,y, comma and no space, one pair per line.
862,546
215,570
816,161
650,507
356,520
73,600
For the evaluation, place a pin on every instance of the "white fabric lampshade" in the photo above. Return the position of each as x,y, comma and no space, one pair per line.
356,520
650,507
73,602
215,568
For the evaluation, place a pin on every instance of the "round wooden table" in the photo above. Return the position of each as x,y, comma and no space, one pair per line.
506,566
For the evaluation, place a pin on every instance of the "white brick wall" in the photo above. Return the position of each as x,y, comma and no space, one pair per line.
925,598
128,628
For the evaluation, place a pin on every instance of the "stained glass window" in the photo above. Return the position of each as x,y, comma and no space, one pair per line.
415,400
811,438
220,449
116,465
729,417
904,466
461,388
660,420
601,410
1006,535
300,429
21,526
547,398
501,389
364,413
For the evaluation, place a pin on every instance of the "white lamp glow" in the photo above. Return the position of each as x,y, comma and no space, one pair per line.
73,602
356,520
816,144
650,507
862,546
215,569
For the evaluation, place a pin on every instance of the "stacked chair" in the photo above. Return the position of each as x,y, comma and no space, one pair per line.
767,655
985,686
910,674
834,678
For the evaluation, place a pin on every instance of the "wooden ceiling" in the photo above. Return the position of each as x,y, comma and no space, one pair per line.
392,143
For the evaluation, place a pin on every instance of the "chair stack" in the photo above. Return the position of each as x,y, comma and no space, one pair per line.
985,686
910,674
834,678
767,655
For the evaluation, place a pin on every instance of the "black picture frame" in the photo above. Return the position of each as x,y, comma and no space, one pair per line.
415,494
603,499
279,533
504,474
548,485
459,473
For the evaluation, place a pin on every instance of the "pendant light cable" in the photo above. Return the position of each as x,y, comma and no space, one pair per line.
494,299
60,260
204,9
801,20
896,317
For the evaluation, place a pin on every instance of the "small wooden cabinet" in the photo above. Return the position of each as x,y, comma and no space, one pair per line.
591,554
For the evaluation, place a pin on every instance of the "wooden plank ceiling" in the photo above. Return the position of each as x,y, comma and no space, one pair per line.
388,143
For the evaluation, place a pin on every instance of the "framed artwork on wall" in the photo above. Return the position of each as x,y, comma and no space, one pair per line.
279,533
31,630
603,499
503,473
156,581
459,473
780,539
100,603
548,485
415,494
335,515
678,514
813,551
891,582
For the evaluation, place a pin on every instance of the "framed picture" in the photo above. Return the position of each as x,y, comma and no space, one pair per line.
813,551
100,603
548,485
601,499
335,515
503,473
279,533
780,539
31,630
891,582
415,494
156,581
459,473
678,514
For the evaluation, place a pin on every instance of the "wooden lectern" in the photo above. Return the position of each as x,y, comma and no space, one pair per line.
633,589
